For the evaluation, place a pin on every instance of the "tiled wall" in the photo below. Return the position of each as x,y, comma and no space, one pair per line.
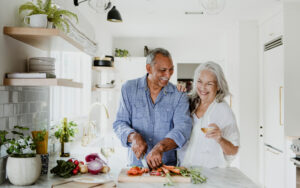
24,106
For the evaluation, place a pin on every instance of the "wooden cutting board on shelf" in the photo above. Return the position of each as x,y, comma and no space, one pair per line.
146,178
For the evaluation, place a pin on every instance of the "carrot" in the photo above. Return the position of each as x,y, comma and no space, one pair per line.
159,170
175,170
168,167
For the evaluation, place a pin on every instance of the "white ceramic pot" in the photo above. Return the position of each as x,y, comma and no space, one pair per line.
23,171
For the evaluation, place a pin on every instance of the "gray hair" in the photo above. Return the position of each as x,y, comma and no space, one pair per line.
151,56
223,90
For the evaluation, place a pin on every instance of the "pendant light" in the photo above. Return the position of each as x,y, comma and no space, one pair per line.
114,15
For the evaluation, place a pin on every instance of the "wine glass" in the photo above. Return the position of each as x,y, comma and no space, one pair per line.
107,150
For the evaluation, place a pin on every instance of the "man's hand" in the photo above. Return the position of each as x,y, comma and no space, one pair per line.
139,146
154,157
215,133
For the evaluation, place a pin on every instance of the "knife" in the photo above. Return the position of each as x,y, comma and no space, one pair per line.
144,162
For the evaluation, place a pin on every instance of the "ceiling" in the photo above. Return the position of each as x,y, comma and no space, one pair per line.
167,18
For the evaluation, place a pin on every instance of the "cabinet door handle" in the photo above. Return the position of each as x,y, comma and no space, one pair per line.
280,105
276,153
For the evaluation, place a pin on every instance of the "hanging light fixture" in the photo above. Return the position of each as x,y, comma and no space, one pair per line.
213,6
113,15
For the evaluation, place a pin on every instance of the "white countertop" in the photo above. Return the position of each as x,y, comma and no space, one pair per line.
217,177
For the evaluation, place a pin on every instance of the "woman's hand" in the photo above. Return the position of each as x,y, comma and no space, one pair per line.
215,133
181,88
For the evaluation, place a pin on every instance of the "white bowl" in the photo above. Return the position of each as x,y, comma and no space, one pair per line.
41,67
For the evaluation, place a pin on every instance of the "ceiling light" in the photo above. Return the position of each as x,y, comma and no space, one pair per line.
212,6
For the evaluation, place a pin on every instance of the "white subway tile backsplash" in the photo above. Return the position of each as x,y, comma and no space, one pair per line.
24,106
13,96
8,110
12,121
4,97
3,123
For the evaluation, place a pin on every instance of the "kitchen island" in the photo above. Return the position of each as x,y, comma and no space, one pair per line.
217,177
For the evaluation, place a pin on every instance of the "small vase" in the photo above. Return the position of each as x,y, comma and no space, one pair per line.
45,163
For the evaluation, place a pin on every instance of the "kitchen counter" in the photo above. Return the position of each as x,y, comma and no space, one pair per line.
217,177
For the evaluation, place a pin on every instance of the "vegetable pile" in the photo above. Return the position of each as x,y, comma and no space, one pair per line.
66,169
168,172
94,165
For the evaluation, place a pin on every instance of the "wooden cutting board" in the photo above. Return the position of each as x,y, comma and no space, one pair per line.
146,178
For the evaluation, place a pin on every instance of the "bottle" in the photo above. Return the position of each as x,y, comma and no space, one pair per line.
64,139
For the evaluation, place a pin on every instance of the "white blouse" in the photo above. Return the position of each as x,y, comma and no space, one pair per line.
206,152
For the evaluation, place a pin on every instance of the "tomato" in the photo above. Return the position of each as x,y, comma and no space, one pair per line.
134,171
81,162
70,160
75,171
76,162
77,167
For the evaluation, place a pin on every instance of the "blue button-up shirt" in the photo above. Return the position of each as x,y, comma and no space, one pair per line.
168,117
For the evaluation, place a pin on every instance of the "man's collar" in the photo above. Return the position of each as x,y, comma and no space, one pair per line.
142,84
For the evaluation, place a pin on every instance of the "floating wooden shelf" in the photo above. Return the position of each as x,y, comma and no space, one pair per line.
42,82
104,89
102,68
42,38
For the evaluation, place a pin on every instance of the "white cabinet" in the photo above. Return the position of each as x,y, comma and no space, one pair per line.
273,97
274,168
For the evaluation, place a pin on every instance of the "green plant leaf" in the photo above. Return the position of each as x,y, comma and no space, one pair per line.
40,4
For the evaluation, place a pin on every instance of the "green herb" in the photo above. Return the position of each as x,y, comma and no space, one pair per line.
63,169
194,173
121,53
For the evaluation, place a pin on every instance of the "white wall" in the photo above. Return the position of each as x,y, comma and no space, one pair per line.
248,97
13,53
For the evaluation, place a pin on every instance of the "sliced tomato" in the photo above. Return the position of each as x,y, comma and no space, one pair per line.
135,171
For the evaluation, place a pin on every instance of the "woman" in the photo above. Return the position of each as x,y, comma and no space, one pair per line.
217,146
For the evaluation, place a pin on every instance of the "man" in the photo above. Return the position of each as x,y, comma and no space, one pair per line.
153,117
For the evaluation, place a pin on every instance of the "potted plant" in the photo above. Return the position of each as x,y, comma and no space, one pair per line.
57,17
3,159
64,132
23,165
